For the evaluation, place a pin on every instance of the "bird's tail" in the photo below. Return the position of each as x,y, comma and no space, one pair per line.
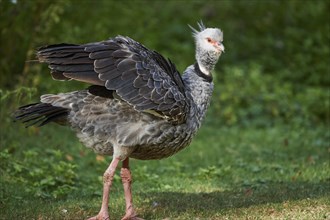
40,114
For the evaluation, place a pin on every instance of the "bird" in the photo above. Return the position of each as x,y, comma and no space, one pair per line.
137,105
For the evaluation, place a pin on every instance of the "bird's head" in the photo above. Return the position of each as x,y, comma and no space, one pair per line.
209,47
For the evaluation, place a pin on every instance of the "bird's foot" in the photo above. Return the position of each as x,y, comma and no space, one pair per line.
131,215
101,216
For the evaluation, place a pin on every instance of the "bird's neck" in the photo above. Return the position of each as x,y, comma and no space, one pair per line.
199,87
206,60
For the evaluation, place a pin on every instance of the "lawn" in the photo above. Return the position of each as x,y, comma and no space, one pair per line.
262,153
280,172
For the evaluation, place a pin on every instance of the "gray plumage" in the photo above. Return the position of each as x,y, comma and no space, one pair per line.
138,106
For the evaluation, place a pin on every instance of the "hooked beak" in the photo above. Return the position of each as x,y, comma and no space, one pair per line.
220,47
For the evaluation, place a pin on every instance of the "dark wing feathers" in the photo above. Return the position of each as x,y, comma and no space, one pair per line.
40,114
100,54
69,61
88,77
141,77
72,67
58,75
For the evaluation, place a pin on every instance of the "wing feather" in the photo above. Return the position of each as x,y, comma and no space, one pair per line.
141,77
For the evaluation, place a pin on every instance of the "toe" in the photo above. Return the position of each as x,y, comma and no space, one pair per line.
131,216
100,217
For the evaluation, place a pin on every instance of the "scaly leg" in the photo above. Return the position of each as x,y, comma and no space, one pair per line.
126,179
107,181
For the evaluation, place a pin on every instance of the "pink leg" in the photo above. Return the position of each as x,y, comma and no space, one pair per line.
107,181
126,179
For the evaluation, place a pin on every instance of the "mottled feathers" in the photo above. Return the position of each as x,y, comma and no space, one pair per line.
141,77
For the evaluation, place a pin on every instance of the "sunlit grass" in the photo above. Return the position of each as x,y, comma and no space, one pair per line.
280,172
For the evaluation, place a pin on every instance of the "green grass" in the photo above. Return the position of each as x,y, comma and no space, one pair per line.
281,172
263,152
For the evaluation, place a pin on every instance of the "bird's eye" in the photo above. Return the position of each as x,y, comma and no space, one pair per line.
209,40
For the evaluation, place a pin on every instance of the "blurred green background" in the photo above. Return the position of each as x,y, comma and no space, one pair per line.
275,67
267,126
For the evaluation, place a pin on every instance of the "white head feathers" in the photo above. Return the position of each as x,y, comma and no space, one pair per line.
203,31
208,46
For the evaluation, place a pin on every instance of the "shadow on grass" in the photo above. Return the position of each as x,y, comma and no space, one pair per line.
176,203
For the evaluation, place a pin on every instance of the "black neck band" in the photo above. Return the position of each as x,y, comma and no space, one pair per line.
207,78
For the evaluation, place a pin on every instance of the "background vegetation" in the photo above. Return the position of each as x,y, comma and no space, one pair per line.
263,151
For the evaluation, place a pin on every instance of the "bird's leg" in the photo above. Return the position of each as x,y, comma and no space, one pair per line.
107,181
126,179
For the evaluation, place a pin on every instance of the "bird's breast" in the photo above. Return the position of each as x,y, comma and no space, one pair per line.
167,143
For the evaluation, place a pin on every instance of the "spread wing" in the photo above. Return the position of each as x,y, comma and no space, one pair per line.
141,77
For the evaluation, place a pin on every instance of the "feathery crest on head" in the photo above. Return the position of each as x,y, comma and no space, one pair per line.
201,28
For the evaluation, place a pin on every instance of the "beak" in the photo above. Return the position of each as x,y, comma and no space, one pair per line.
220,47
